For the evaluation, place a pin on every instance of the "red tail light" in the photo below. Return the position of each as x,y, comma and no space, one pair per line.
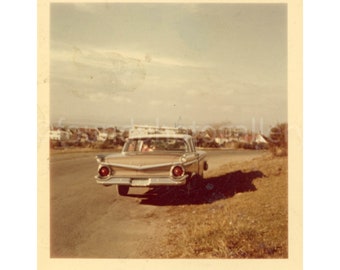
177,171
104,171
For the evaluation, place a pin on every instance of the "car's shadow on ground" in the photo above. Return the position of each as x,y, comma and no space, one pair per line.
205,191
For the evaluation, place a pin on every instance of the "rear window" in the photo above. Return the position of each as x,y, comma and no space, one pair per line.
155,145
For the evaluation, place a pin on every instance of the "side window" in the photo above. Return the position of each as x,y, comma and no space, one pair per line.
132,146
192,146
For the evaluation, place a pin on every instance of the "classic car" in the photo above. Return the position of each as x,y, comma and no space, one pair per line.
151,159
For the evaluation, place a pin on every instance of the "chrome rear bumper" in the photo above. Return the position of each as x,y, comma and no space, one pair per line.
143,182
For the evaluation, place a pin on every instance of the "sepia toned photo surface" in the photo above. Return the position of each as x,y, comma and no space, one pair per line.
172,134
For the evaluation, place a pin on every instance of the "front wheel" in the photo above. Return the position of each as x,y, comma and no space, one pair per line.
122,190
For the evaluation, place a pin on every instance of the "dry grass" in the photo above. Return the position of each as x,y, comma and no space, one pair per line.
251,221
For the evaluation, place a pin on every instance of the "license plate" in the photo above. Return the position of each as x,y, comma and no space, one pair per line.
140,182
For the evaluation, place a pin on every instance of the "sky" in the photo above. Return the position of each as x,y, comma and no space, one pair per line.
168,64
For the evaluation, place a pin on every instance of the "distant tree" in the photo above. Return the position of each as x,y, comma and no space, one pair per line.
278,139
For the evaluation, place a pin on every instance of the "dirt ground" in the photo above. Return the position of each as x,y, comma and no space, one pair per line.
91,221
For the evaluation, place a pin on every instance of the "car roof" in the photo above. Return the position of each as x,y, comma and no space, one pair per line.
159,136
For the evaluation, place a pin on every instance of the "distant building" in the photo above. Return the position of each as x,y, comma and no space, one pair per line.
260,139
59,135
102,136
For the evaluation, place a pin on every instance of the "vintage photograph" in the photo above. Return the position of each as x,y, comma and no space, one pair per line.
168,131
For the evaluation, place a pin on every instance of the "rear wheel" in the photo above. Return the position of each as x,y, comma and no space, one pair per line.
193,184
122,190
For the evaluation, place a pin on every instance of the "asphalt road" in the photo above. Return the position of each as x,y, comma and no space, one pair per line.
91,221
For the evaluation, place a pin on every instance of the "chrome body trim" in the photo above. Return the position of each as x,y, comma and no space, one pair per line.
136,167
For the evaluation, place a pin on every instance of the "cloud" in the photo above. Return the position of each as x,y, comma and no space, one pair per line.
158,59
97,96
167,61
90,74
